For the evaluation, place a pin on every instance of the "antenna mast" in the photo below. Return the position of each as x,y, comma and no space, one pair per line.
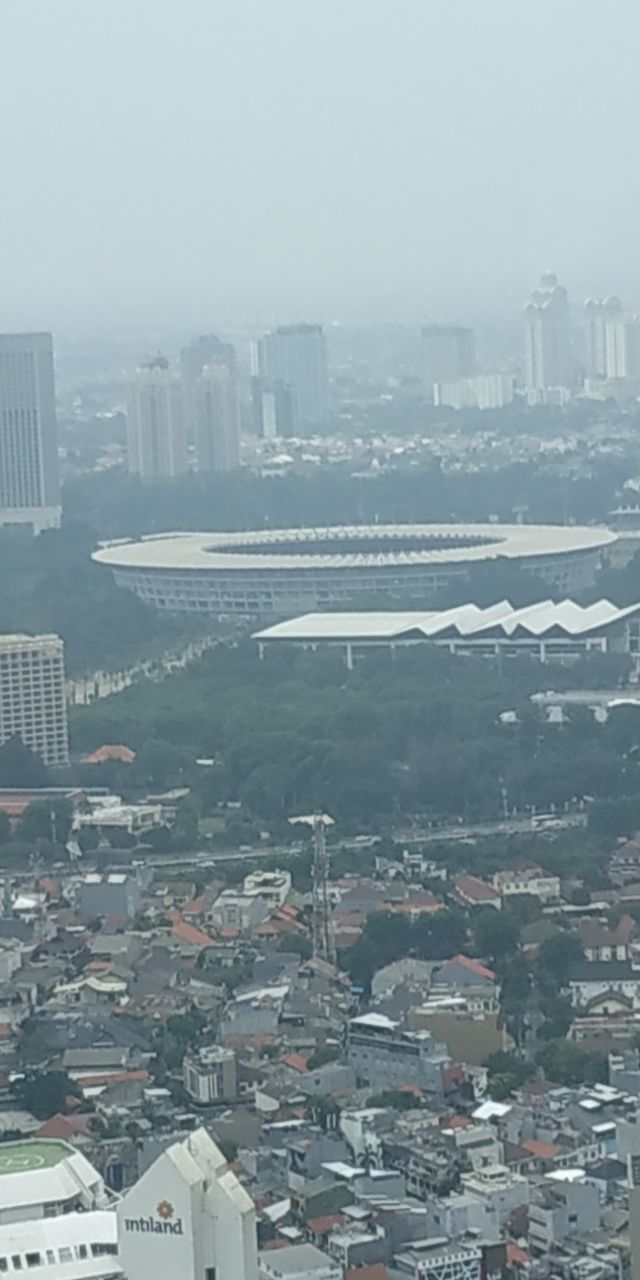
323,947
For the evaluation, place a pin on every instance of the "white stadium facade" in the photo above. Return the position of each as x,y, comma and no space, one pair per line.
282,572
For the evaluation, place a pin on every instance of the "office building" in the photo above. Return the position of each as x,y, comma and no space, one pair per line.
272,406
188,1216
156,439
448,354
623,347
209,1074
387,1057
56,1216
114,894
486,391
294,358
201,351
547,337
216,418
33,704
29,485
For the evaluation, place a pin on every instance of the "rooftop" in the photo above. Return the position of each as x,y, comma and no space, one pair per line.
358,546
32,1153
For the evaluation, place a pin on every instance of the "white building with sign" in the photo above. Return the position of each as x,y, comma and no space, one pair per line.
188,1216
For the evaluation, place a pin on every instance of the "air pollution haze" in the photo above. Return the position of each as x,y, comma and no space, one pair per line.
342,159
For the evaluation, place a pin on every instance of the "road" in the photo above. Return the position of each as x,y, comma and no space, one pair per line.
514,827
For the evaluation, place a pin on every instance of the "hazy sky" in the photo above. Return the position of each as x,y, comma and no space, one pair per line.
217,161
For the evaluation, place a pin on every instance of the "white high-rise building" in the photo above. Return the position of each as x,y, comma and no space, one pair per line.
156,439
486,391
449,354
599,313
188,1216
216,418
294,356
29,484
33,703
547,337
207,349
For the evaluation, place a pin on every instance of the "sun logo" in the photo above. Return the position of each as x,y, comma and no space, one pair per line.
165,1210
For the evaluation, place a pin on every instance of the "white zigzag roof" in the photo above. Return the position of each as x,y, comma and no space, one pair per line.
468,620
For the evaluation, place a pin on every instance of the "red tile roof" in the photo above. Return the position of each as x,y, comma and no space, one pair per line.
60,1126
295,1061
322,1226
371,1271
196,907
111,751
476,890
119,1077
473,966
542,1150
188,933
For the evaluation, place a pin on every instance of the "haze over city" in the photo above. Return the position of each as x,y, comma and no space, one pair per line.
352,160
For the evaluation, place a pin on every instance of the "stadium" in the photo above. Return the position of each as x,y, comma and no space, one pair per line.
283,572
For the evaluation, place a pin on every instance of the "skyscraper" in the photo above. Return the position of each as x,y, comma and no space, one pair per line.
294,357
216,418
547,337
29,484
156,440
449,354
193,359
188,1216
33,702
598,315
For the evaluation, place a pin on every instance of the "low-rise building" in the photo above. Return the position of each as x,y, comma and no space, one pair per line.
273,886
113,894
298,1262
241,911
500,1187
515,881
209,1074
566,1205
386,1057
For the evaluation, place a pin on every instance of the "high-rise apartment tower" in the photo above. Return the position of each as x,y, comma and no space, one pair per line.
294,356
156,439
33,704
547,337
216,418
29,485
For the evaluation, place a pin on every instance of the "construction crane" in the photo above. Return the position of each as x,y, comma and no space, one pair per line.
322,933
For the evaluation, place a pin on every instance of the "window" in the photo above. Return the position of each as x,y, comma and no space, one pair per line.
33,1259
16,1262
65,1254
209,1273
81,1251
4,1265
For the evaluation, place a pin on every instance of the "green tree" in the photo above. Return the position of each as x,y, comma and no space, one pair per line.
496,934
45,1094
46,820
565,1062
558,954
395,1099
20,767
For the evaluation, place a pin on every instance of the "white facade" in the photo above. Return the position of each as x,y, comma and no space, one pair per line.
33,704
156,439
188,1217
295,356
242,911
511,883
273,886
209,1074
76,1246
216,419
29,485
598,313
547,337
486,391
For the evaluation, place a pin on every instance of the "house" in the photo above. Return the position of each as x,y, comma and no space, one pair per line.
242,911
471,891
528,879
591,978
273,886
602,943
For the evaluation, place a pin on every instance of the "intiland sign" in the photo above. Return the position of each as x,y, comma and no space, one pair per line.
164,1224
